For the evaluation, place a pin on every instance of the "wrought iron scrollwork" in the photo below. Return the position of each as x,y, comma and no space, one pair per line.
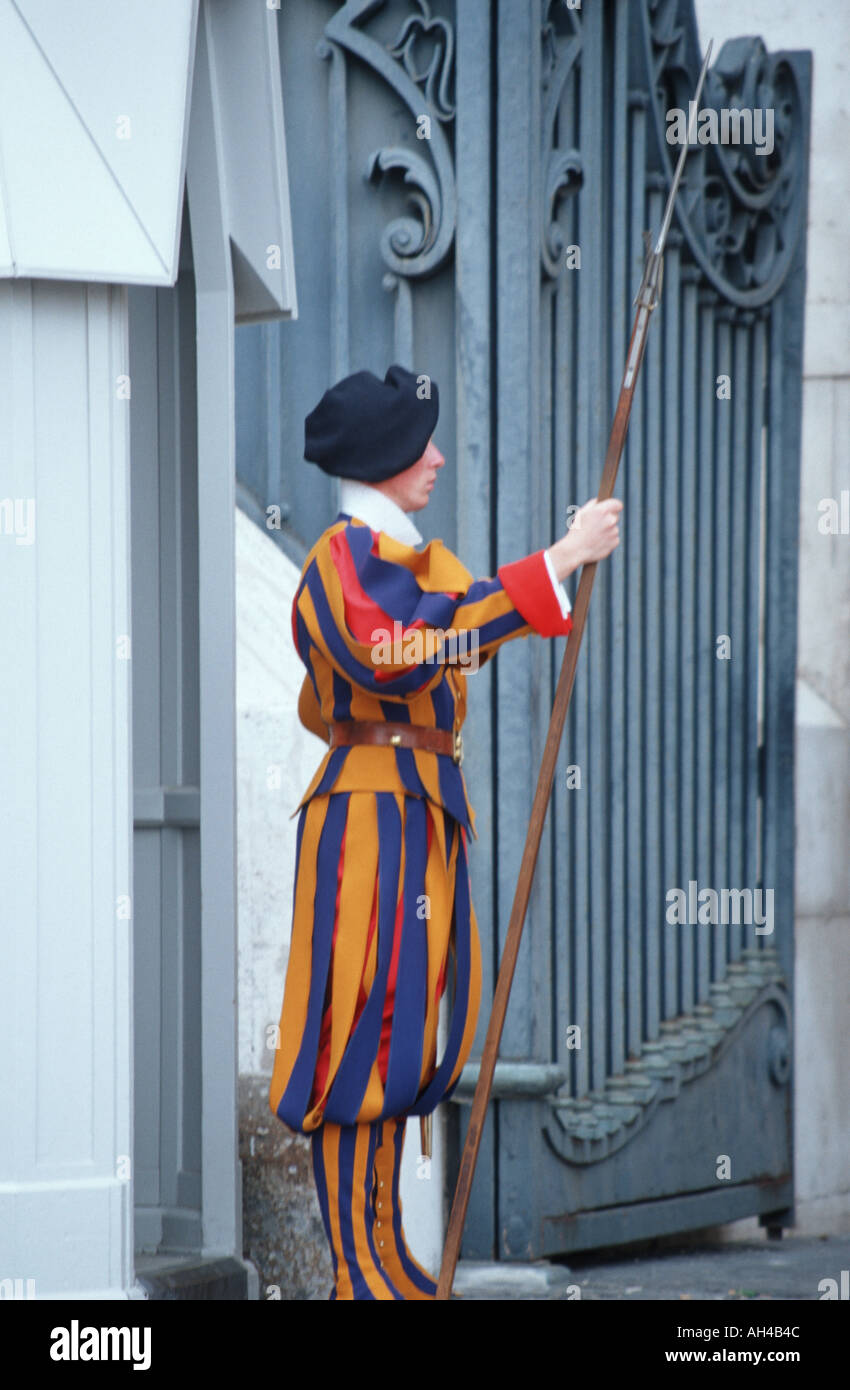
417,245
740,210
562,168
436,79
406,238
584,1131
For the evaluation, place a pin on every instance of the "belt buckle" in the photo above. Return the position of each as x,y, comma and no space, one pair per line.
457,751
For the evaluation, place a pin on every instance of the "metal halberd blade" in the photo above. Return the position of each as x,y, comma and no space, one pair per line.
649,290
671,197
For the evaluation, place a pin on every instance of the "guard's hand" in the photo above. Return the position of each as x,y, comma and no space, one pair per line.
594,533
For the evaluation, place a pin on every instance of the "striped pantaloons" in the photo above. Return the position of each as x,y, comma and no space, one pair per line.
382,925
356,1169
382,907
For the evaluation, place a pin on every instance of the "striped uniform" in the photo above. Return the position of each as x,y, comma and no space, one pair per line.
382,894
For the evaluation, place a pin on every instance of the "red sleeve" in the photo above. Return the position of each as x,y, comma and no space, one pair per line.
529,588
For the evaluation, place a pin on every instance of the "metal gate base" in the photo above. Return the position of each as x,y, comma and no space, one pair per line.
771,1200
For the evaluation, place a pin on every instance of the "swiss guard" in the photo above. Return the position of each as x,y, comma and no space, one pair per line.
386,627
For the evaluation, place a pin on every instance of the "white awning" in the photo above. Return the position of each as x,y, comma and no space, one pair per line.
94,120
93,123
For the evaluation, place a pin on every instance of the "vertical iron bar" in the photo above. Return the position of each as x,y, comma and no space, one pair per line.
595,130
674,938
654,771
591,1057
566,801
694,556
474,333
723,503
755,599
635,547
738,575
620,285
706,630
338,210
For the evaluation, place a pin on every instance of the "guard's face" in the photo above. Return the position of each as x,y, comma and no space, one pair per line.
412,489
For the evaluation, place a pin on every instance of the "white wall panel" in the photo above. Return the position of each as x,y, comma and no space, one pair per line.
65,866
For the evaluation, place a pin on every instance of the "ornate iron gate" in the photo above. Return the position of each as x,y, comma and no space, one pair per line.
470,187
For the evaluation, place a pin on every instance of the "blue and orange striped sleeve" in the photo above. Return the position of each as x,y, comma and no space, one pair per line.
388,617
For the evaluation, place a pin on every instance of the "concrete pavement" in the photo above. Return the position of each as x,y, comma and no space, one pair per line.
793,1268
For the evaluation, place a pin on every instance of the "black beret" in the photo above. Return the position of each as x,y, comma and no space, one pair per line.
370,429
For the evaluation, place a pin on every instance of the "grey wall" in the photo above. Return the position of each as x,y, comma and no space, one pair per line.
167,1032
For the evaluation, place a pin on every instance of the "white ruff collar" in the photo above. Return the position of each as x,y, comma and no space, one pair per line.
378,511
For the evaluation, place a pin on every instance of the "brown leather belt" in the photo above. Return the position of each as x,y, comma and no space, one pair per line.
382,733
